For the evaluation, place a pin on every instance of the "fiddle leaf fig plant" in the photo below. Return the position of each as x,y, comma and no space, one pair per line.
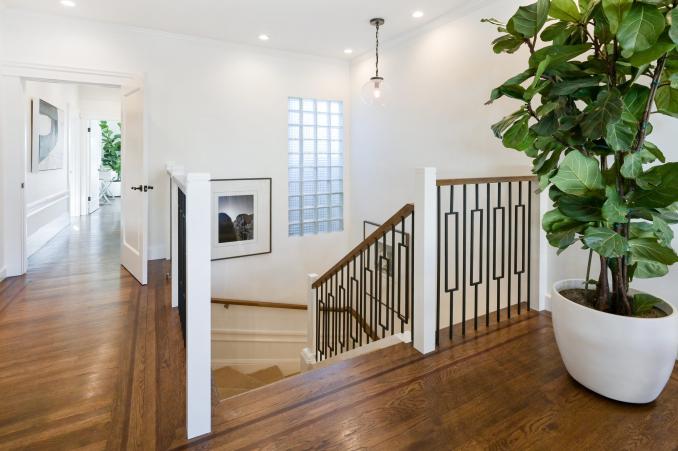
598,71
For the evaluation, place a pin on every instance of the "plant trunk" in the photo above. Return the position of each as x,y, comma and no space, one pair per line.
603,294
622,306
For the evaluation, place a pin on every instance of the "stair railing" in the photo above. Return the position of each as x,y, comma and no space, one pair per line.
486,234
368,294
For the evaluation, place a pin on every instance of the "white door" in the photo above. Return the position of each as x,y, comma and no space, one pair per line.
134,192
94,143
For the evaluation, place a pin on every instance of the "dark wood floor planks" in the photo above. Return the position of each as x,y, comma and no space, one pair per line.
91,360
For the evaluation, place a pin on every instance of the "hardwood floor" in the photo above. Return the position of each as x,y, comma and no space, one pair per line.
91,360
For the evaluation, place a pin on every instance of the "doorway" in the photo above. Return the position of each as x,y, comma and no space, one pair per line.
24,178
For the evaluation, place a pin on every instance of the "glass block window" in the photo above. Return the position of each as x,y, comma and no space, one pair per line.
315,150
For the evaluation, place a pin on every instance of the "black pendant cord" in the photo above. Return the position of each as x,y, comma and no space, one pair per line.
377,52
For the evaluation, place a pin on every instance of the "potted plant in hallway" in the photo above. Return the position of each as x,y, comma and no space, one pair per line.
110,158
597,72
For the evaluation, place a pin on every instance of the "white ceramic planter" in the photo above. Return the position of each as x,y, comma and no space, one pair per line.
622,358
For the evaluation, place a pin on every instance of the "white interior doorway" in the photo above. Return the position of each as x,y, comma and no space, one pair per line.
17,153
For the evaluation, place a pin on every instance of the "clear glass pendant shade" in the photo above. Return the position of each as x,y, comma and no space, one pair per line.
375,92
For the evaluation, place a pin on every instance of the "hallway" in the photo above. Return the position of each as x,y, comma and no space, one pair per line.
78,338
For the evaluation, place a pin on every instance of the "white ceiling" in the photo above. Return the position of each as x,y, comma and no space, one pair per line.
317,27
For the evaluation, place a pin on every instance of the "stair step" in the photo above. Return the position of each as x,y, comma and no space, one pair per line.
225,392
229,377
268,375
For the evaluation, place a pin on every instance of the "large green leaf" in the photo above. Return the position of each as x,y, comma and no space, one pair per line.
614,209
633,163
518,136
567,87
662,230
640,29
564,10
635,100
615,10
673,32
650,270
560,229
606,242
528,20
621,134
607,109
667,100
583,209
652,54
507,43
664,179
500,127
558,53
643,303
578,175
650,250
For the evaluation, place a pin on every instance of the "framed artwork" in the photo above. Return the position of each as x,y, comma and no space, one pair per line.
385,251
241,217
48,136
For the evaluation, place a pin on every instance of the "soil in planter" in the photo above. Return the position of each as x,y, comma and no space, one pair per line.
588,299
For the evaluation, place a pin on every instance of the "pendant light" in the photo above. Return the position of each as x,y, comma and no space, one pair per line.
375,90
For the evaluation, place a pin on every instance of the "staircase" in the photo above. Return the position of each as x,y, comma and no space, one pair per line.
232,382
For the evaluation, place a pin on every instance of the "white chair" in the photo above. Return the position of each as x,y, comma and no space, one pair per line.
106,177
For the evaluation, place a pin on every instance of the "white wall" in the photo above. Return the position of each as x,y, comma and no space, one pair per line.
3,180
214,108
439,82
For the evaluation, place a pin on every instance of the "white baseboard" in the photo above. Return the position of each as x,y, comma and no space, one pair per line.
45,233
547,302
3,273
156,253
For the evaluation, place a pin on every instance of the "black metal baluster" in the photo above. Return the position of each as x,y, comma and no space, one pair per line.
510,276
463,295
438,264
487,269
529,246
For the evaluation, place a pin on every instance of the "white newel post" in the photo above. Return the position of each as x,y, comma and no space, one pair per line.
308,353
198,306
425,255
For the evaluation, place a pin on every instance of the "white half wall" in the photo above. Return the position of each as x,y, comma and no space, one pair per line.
213,107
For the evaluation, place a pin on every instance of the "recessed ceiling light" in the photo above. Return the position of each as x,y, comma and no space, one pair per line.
418,14
348,51
263,37
68,3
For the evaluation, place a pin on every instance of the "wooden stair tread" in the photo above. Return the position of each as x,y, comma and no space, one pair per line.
268,375
228,377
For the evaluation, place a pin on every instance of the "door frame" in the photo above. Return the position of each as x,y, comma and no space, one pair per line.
14,168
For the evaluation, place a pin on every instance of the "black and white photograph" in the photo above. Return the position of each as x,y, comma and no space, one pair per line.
236,218
241,217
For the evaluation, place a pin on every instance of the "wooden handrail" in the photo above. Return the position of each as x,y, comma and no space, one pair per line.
483,180
394,220
263,304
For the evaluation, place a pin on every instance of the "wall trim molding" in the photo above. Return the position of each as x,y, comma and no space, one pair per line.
65,73
258,336
39,205
45,233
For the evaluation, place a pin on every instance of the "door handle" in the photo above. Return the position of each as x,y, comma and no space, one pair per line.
138,188
147,187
